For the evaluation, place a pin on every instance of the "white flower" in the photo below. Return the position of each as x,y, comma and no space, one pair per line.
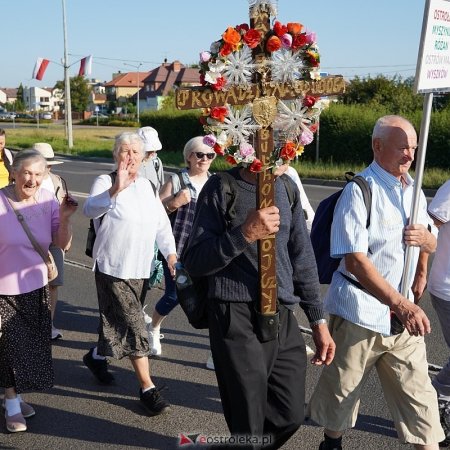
286,66
211,77
238,125
315,74
292,118
239,67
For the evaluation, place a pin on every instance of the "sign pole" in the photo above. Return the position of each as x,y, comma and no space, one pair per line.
418,179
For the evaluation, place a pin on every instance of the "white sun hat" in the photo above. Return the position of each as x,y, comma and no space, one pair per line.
47,152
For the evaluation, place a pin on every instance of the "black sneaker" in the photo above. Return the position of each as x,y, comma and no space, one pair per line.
444,415
323,446
153,402
99,368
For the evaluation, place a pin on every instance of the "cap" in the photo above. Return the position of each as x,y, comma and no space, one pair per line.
150,137
47,152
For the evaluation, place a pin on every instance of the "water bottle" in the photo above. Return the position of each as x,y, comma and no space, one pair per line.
182,278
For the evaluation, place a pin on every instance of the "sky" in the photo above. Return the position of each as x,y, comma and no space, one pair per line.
355,37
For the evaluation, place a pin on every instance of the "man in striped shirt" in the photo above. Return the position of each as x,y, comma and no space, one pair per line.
372,323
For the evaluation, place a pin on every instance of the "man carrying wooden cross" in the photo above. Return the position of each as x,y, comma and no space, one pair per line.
251,256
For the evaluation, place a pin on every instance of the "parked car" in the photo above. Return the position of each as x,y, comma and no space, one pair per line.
46,116
7,115
24,116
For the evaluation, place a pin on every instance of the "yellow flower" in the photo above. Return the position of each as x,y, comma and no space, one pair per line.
299,150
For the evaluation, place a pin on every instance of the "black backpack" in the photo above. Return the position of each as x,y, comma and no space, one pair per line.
193,299
321,228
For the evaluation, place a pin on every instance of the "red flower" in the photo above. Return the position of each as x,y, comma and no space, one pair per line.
288,152
226,49
203,120
309,101
219,113
313,127
273,44
202,79
252,38
230,160
279,29
218,149
294,27
242,27
298,41
220,83
256,166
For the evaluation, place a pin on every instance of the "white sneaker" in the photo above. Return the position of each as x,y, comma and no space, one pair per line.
210,362
154,341
309,351
56,334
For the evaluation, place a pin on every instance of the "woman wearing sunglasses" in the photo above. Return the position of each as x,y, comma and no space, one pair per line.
179,196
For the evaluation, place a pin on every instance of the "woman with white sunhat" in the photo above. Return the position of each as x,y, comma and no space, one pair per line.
55,184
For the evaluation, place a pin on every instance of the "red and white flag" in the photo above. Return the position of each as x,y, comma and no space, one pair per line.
85,66
40,68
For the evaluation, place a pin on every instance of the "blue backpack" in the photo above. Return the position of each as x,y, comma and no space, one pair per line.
321,228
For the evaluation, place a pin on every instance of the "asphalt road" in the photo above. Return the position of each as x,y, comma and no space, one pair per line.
77,413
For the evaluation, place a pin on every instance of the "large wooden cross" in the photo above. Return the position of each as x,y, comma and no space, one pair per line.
264,94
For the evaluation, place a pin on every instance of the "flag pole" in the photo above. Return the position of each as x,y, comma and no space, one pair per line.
418,178
68,102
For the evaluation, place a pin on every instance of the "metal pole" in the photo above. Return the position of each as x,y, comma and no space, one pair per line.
68,102
317,140
138,89
420,164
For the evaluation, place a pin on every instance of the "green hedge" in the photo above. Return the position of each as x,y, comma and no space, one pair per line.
174,128
345,133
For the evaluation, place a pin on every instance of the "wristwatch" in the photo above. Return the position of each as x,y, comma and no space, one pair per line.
317,323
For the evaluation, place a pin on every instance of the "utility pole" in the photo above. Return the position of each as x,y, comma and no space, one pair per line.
67,101
138,86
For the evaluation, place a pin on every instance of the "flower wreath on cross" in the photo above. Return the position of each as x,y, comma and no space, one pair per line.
294,56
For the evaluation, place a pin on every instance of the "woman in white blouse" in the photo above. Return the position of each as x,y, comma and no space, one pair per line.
129,219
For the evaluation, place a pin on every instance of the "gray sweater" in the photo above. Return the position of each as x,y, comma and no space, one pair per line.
221,252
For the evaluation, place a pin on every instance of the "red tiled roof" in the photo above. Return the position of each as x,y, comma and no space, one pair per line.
128,79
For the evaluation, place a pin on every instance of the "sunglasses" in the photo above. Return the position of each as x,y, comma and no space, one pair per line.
70,200
200,155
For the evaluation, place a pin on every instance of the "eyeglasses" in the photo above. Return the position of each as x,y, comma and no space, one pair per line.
200,155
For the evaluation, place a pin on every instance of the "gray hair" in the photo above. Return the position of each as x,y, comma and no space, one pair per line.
127,137
384,125
25,155
194,144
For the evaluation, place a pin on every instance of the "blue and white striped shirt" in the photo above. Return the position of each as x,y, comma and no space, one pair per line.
382,242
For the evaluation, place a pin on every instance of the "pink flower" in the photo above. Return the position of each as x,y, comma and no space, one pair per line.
311,37
205,57
306,137
246,149
209,140
286,40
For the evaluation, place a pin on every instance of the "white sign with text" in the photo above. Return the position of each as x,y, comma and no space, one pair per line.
433,65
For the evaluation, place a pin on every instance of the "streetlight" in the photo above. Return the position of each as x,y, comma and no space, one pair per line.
138,86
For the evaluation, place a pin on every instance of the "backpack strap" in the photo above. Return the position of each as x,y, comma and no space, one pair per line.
229,192
181,178
367,194
289,185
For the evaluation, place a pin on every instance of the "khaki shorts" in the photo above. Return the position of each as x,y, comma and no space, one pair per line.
402,369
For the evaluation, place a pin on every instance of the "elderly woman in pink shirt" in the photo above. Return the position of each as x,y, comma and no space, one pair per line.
25,351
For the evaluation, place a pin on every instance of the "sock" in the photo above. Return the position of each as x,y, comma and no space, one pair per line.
152,386
95,355
155,330
12,406
331,444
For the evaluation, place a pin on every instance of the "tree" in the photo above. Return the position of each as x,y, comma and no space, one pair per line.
394,93
168,102
19,104
79,93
